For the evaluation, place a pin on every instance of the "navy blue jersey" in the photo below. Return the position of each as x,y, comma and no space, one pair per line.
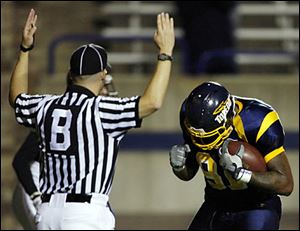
256,123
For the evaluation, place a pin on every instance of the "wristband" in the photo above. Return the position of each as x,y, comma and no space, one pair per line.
178,169
26,49
244,175
164,57
35,194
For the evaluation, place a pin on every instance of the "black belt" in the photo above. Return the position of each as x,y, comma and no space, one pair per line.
70,198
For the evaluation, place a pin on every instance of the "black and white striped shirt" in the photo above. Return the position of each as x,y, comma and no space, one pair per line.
79,137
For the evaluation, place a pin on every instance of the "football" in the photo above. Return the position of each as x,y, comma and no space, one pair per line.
252,158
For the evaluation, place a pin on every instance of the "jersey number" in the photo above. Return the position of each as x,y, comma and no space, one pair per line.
61,129
212,176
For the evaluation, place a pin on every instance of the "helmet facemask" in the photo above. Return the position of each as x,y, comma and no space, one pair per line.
208,140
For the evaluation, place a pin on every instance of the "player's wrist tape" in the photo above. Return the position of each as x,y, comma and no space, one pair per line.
178,169
35,195
24,49
244,175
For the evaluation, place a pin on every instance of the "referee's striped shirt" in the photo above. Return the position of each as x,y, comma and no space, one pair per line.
79,137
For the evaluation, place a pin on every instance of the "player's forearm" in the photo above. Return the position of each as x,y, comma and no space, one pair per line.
154,95
186,173
272,181
25,176
19,78
25,156
278,179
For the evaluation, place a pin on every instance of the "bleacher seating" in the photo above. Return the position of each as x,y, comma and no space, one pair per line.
272,46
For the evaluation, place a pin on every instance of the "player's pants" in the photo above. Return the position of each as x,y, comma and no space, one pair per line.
265,216
62,213
22,204
23,208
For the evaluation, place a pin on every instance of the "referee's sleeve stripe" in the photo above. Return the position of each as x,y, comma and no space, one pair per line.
27,103
117,116
120,125
25,122
118,106
117,120
119,129
25,107
116,111
117,100
118,135
26,96
26,115
28,124
29,98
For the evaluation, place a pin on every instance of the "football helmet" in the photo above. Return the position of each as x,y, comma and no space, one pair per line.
209,114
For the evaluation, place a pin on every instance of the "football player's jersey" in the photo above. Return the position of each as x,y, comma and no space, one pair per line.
256,123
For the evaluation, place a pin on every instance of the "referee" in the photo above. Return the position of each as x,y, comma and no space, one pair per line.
79,131
26,196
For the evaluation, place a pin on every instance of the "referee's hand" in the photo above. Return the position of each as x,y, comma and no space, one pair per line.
164,35
29,29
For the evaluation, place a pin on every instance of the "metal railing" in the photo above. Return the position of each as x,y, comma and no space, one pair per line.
242,57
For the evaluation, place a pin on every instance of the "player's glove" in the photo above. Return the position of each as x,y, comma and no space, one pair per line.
178,155
233,163
36,199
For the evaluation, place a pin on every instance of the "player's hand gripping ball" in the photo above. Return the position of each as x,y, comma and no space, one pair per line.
240,159
251,158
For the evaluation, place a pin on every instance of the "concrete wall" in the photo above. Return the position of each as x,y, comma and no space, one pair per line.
281,91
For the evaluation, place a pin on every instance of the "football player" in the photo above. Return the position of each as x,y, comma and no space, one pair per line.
235,198
26,196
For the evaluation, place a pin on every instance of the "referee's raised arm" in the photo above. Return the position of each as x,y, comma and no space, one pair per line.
155,91
19,78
